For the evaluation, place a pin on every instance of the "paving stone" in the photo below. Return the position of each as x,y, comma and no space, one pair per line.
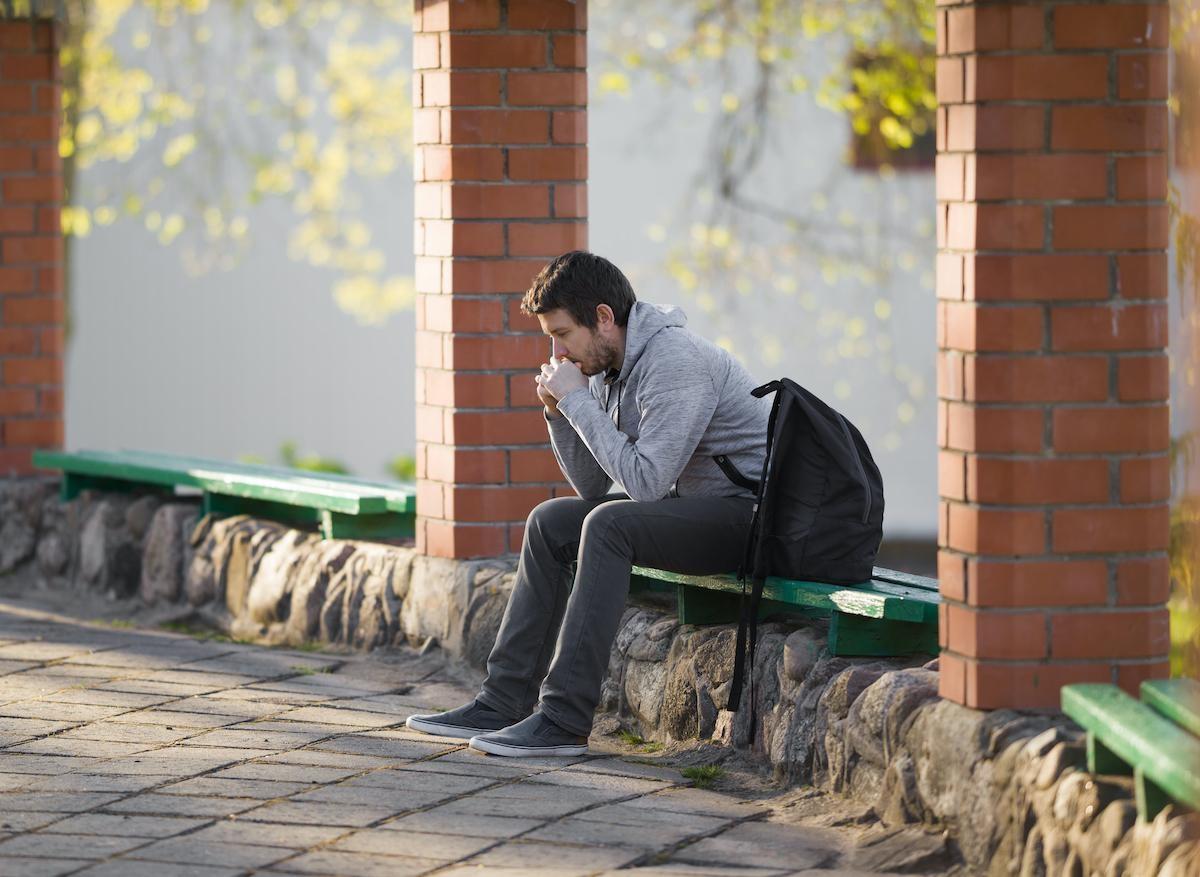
56,802
254,739
440,820
365,744
553,857
26,867
292,836
8,665
208,705
342,716
133,868
358,864
30,727
40,652
107,698
620,767
274,723
398,704
69,746
149,686
124,825
61,846
763,845
493,768
608,783
68,712
280,699
682,870
319,813
687,800
179,761
228,788
287,773
20,762
582,831
189,849
129,732
27,820
10,781
176,720
153,804
402,779
87,782
443,847
328,759
463,755
625,814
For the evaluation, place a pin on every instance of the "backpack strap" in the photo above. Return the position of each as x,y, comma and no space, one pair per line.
748,623
734,474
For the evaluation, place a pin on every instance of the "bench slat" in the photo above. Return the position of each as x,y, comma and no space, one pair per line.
1177,699
924,583
1155,747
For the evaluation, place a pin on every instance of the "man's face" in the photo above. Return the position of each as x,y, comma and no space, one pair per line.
587,348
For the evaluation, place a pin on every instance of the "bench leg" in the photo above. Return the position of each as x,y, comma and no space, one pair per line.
392,525
223,505
1149,796
702,606
856,636
74,484
1101,759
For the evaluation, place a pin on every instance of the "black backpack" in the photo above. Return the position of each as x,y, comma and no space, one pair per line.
819,512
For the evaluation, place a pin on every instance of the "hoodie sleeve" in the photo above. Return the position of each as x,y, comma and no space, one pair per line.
676,399
575,460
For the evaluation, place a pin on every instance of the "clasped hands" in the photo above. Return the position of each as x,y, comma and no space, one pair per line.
557,378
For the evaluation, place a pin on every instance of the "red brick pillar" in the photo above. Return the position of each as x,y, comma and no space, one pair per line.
500,96
1052,327
31,246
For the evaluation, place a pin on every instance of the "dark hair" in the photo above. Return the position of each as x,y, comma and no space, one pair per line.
578,282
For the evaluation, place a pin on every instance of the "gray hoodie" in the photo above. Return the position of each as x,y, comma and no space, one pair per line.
654,429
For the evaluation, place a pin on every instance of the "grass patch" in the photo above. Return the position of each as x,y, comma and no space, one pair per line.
309,646
302,670
117,622
204,634
702,777
632,739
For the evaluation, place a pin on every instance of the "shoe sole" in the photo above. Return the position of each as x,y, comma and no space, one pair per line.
420,723
492,748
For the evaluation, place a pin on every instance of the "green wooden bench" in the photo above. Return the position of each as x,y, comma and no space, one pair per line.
342,507
893,614
1157,739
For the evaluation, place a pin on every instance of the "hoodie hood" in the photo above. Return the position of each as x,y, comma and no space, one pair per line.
645,321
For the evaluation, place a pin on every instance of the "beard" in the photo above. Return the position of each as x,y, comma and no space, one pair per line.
599,357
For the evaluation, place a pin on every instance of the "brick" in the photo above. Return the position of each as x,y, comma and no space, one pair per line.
975,530
1125,128
459,88
534,465
1111,430
951,475
949,77
990,633
446,238
1040,77
50,400
949,270
430,424
16,98
952,575
1036,379
481,504
426,51
1111,530
570,50
1111,26
445,539
496,352
491,276
1142,76
33,371
554,163
948,174
52,340
568,126
459,390
519,321
972,327
1040,177
522,392
994,430
1146,479
16,461
27,67
546,239
15,250
948,366
994,127
47,159
1110,634
1029,686
1142,177
25,189
31,129
1143,379
547,89
431,497
16,280
452,314
1133,327
1020,584
995,227
427,126
500,51
1143,581
570,201
38,433
1009,481
495,202
984,28
18,342
952,680
18,220
48,99
1142,275
428,201
49,220
1111,228
497,428
1131,675
16,158
497,126
462,163
17,401
440,15
32,311
50,279
548,15
454,465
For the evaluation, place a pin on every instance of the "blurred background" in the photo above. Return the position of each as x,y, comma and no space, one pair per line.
240,225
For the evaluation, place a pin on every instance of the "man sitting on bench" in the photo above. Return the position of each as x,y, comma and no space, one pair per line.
632,398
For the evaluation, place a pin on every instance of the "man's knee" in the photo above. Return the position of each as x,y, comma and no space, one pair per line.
613,519
555,519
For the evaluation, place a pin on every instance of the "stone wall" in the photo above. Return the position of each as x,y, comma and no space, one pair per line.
1009,787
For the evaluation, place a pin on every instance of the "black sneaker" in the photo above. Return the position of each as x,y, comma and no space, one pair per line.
466,721
534,736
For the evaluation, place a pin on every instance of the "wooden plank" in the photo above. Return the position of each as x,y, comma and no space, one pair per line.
1177,699
401,496
864,601
224,505
389,525
881,574
1165,753
853,636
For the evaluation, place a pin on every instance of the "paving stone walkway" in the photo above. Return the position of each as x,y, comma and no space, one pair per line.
133,752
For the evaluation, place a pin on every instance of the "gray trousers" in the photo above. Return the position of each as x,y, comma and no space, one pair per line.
556,634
